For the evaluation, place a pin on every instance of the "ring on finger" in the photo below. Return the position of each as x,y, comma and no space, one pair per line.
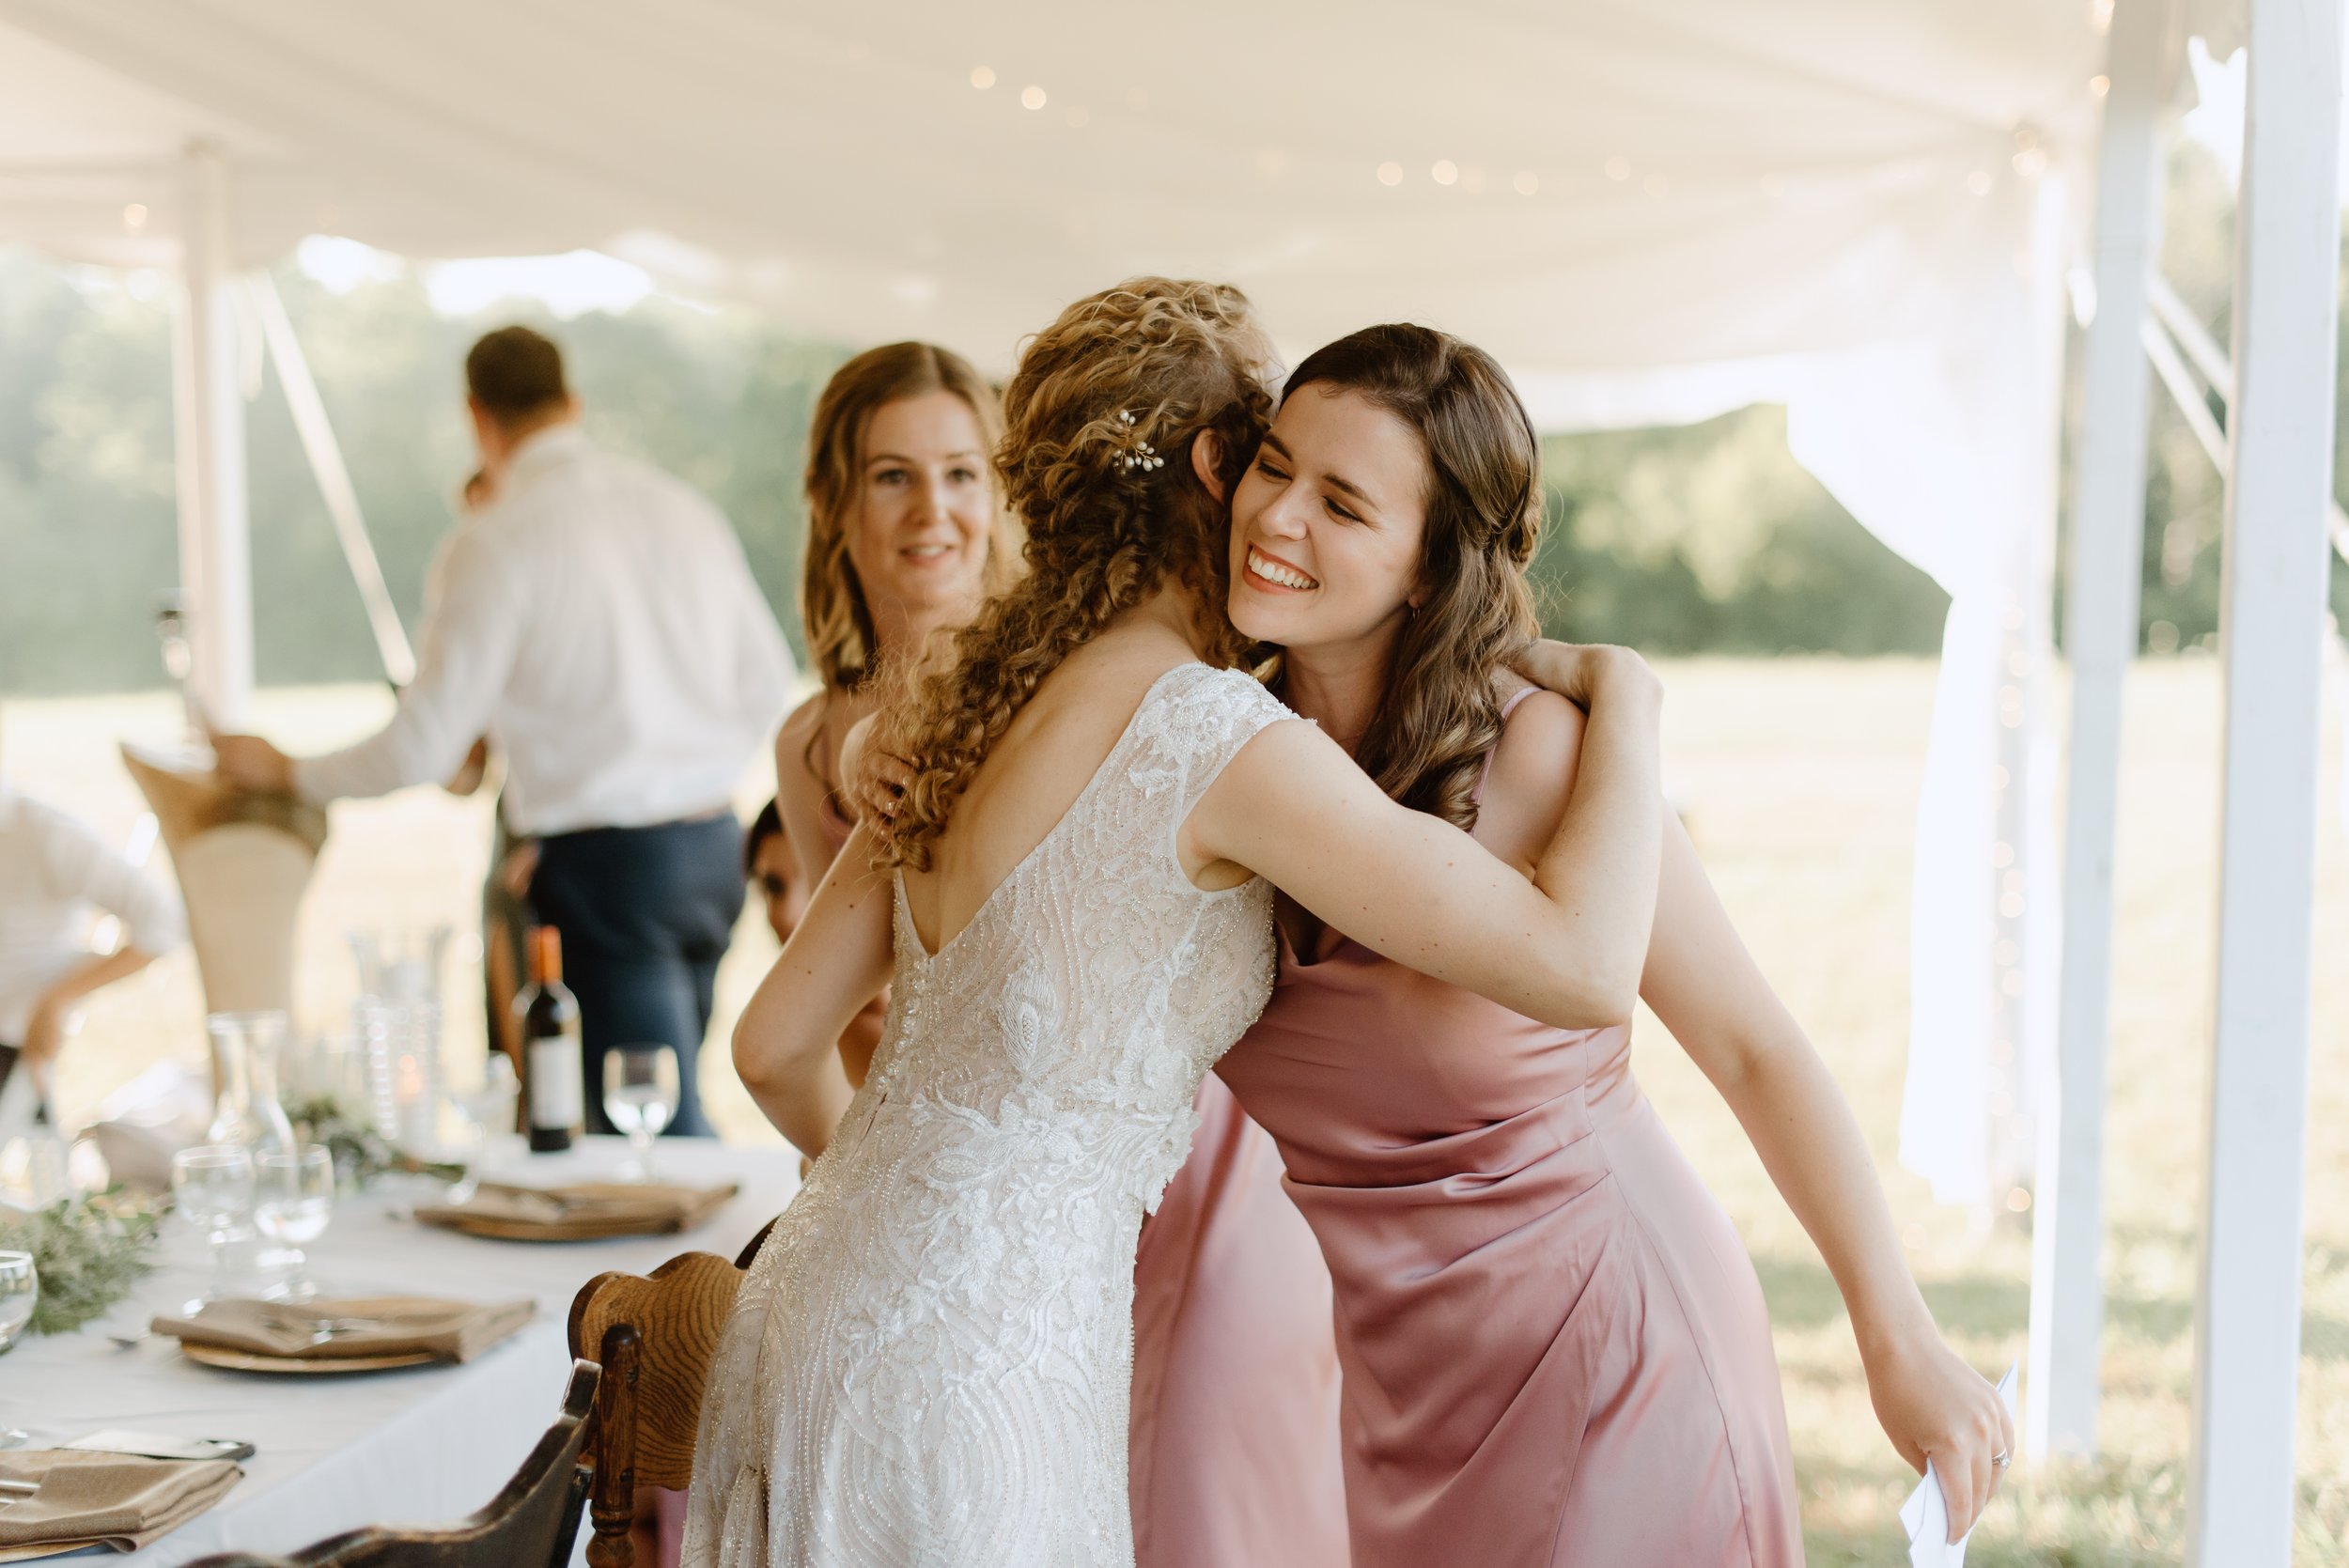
2000,1459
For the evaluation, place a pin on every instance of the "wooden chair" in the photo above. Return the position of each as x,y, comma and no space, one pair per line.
533,1520
655,1337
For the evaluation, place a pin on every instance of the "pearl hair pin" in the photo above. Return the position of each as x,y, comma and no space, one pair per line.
1139,454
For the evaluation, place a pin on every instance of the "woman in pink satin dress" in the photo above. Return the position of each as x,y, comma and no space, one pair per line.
1234,1459
1554,1347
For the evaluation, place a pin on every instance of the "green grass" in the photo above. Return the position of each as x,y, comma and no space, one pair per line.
1800,778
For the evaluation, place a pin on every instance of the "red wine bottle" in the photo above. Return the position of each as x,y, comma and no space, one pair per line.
554,1087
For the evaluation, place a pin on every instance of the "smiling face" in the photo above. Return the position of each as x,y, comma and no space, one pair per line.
1328,524
923,508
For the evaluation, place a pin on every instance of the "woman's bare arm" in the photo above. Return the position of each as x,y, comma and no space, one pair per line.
1566,948
834,963
1706,989
799,792
799,801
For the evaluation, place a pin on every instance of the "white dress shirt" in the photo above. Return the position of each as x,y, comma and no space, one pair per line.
53,871
599,623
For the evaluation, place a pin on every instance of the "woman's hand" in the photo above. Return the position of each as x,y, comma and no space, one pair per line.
1578,671
876,780
1932,1405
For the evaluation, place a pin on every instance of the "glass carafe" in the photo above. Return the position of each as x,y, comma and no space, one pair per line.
246,1112
396,1022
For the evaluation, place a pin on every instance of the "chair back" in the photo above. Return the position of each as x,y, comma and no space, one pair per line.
242,862
655,1338
533,1521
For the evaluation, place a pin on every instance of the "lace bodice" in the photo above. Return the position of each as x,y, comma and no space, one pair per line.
929,1363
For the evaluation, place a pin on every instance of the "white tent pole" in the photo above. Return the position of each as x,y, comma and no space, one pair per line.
2188,398
2192,335
208,425
2100,640
2185,395
2247,1327
326,463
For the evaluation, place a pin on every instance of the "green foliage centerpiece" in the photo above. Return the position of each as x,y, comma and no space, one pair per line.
89,1250
361,1153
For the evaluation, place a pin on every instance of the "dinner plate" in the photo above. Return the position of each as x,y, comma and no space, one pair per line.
246,1361
580,1229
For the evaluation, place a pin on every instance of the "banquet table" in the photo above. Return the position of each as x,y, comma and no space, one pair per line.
420,1445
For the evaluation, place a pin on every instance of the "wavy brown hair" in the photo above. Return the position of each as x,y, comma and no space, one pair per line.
834,610
1095,461
1439,716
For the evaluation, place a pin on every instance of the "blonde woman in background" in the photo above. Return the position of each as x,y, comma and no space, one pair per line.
905,538
1234,1450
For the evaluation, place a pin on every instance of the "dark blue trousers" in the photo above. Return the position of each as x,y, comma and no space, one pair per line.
645,913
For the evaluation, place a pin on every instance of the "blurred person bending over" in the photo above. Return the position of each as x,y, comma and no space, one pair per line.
54,871
597,623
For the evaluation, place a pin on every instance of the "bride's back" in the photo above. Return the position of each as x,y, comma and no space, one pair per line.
1031,777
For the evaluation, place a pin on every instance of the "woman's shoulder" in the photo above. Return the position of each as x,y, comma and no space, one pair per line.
1533,762
804,721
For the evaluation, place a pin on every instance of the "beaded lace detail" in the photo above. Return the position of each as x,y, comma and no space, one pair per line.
929,1363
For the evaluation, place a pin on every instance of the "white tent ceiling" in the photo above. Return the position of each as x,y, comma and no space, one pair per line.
1712,179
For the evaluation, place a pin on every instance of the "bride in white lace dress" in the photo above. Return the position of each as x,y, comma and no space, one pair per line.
929,1363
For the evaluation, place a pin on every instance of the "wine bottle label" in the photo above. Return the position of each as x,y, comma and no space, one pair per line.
557,1098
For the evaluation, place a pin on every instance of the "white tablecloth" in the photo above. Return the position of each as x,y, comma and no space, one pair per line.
421,1446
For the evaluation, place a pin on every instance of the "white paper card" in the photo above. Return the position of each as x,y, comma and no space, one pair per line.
1926,1513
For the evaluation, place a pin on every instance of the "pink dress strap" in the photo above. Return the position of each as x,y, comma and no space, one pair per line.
1509,706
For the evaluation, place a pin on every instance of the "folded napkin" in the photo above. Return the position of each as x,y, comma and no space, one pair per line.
583,1211
103,1500
375,1325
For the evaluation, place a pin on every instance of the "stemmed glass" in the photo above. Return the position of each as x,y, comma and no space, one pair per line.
640,1097
294,1198
213,1189
20,1292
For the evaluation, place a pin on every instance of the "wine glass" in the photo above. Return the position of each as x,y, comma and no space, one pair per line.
640,1097
293,1199
213,1189
20,1292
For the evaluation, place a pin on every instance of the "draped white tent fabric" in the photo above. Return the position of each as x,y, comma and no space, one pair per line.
1651,209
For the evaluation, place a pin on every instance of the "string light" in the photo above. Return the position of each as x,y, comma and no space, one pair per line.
2099,85
1619,168
1391,172
981,77
134,217
1032,97
1444,171
1526,183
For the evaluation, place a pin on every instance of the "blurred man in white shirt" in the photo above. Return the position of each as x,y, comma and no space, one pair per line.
599,623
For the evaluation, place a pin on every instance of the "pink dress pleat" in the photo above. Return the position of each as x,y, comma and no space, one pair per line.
1555,1350
1233,1452
1233,1434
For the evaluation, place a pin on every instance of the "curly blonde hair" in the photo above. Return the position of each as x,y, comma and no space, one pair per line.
838,619
1153,362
